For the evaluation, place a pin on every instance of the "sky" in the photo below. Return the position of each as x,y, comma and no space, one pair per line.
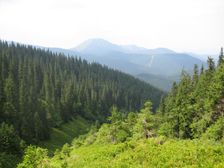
182,25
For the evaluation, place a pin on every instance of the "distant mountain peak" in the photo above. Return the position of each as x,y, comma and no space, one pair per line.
162,50
99,46
96,41
96,46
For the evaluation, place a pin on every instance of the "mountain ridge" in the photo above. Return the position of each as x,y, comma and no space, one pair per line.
100,43
162,63
134,60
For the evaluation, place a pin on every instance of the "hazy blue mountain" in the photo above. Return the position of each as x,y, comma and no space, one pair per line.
100,46
135,60
96,47
172,64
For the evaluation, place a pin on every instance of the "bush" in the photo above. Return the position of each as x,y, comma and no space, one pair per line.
34,157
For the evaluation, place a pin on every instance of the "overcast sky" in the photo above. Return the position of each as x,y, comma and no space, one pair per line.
182,25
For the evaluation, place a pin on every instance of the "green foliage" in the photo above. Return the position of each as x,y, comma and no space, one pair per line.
34,157
115,115
145,122
11,146
221,57
9,140
125,142
121,129
149,153
195,107
8,160
216,131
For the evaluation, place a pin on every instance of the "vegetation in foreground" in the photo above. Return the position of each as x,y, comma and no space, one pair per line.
132,141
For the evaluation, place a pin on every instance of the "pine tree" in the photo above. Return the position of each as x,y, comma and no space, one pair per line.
8,107
195,75
202,69
211,64
221,57
2,97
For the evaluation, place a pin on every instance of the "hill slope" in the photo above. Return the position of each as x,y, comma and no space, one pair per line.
194,108
56,88
42,91
130,142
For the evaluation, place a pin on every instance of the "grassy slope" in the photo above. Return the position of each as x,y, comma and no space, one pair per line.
66,133
151,153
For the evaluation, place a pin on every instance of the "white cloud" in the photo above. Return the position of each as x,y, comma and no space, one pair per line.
183,25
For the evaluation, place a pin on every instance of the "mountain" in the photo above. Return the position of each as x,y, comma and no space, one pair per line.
172,64
96,47
100,47
134,60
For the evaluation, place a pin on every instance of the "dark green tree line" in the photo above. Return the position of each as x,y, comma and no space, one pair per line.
40,89
195,107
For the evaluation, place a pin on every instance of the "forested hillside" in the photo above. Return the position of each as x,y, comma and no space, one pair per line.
40,90
195,107
186,131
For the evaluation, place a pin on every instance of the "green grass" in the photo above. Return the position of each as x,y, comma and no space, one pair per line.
65,134
152,153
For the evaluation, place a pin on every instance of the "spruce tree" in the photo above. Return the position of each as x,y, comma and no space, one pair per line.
195,75
221,57
211,64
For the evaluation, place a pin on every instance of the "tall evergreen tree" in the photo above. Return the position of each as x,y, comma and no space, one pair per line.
195,75
211,64
221,57
202,69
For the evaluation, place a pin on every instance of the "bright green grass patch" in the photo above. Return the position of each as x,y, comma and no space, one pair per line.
153,153
65,133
